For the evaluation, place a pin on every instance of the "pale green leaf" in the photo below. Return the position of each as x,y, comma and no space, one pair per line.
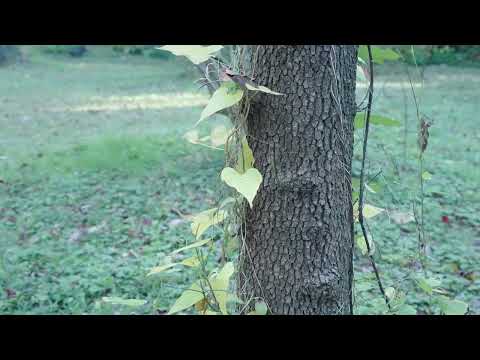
227,95
374,120
264,89
195,53
201,222
124,302
361,74
390,293
192,246
246,184
261,308
188,298
159,269
219,135
426,175
219,284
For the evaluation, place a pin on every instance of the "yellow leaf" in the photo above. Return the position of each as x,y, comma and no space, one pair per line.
188,298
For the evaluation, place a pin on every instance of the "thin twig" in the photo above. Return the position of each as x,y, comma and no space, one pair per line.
362,184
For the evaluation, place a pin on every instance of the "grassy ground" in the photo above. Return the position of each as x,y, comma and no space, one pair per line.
94,174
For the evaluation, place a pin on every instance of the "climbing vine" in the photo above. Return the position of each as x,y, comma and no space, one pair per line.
213,290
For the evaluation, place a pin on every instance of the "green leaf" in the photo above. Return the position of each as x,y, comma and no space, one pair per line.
379,55
195,53
188,298
452,306
374,120
227,95
246,184
161,268
192,246
261,308
245,158
125,302
201,222
426,176
220,283
264,89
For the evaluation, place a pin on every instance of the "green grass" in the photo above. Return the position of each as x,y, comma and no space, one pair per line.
95,143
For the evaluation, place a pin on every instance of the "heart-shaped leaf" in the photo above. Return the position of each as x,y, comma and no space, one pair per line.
246,184
195,53
227,95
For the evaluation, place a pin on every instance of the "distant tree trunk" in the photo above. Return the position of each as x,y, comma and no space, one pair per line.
8,54
299,234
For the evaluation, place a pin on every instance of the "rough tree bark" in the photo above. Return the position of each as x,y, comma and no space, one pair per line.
299,234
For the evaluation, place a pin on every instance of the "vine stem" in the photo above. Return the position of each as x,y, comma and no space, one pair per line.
361,219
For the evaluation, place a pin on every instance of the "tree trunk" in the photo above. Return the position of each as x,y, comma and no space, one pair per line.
299,235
